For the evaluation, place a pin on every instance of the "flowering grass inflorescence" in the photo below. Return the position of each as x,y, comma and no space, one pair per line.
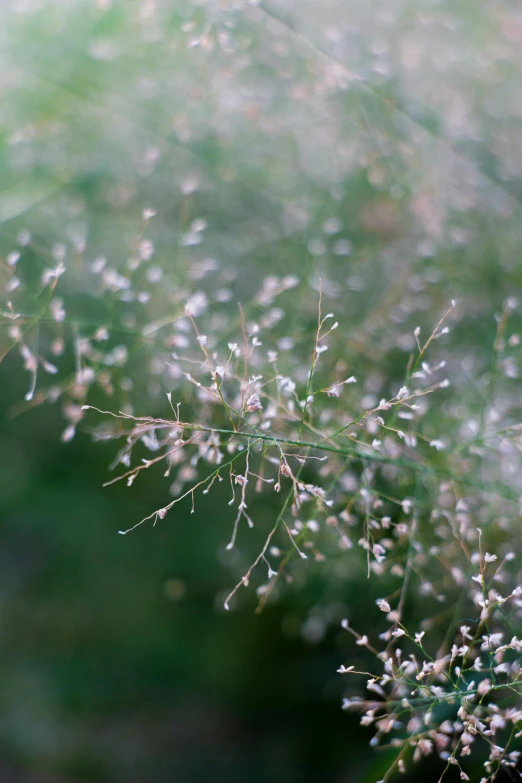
356,478
356,475
357,440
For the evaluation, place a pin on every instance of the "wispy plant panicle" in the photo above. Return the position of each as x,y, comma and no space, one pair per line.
367,479
396,474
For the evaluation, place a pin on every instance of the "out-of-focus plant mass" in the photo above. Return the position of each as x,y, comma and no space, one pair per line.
271,251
